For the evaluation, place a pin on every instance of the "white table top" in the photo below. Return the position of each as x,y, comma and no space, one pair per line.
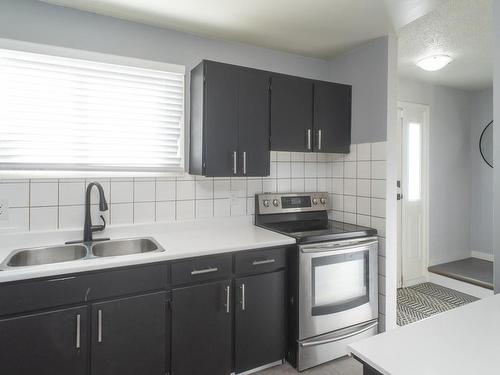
179,239
462,341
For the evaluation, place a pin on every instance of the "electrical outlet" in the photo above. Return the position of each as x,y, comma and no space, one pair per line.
4,210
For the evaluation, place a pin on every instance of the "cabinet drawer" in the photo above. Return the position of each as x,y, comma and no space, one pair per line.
123,281
260,261
201,269
70,289
41,294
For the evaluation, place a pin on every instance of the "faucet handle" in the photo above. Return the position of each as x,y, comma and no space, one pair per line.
99,228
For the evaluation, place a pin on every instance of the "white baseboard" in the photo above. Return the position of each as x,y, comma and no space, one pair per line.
460,286
415,281
261,368
482,255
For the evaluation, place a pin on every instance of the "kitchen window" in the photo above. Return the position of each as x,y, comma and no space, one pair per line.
100,113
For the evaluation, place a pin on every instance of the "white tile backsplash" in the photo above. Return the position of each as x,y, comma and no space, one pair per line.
165,211
43,194
43,218
71,217
144,191
16,194
144,212
165,191
204,189
355,182
122,191
122,213
72,193
204,208
185,210
185,190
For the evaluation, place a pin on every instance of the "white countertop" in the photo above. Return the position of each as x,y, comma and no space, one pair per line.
179,239
462,341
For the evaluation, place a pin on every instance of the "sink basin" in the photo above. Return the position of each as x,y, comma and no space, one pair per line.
46,255
125,247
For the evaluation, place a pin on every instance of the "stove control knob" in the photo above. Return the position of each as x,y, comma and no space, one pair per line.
323,200
265,202
276,203
315,200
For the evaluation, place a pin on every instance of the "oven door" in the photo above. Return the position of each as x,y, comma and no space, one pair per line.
338,285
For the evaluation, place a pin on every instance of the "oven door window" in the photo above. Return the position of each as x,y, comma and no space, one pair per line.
339,282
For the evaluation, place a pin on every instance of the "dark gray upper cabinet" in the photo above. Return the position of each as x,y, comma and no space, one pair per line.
49,343
309,115
332,117
291,113
253,120
129,336
229,121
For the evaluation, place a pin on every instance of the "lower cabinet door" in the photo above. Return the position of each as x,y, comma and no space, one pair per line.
201,329
260,321
129,336
50,343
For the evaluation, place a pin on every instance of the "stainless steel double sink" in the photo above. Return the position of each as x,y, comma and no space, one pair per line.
66,253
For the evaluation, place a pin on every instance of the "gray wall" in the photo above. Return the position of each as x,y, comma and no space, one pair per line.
481,215
496,141
38,22
449,168
366,69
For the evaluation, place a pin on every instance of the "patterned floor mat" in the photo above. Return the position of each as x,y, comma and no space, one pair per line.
423,300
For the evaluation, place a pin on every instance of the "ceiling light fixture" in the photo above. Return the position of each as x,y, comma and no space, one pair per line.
433,63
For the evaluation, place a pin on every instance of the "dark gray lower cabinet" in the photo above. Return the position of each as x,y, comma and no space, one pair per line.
201,329
49,343
129,336
260,331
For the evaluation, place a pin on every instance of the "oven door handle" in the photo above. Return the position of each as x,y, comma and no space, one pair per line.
356,331
337,246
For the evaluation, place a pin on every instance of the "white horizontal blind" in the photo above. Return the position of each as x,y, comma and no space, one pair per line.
59,113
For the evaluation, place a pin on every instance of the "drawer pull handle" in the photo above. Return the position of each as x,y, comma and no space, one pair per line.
78,329
99,326
243,302
206,270
228,298
260,262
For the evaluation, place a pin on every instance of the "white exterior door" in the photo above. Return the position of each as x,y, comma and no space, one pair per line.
412,198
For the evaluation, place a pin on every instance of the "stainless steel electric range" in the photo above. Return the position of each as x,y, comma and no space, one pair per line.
333,276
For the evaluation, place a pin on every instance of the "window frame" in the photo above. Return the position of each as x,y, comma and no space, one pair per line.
72,53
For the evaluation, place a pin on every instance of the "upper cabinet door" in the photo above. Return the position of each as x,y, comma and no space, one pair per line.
221,120
332,117
254,127
291,114
129,336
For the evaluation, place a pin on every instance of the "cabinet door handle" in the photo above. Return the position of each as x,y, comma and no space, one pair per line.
206,270
265,261
235,165
78,329
228,297
244,162
320,133
308,139
243,302
99,326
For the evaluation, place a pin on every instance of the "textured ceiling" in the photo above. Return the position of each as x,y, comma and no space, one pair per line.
459,28
317,28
